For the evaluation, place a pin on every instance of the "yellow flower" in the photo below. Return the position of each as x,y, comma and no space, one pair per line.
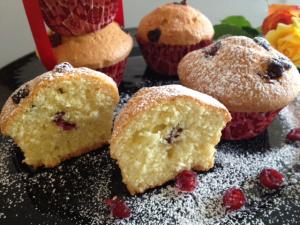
286,39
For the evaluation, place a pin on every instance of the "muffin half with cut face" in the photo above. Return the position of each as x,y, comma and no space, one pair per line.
61,114
163,131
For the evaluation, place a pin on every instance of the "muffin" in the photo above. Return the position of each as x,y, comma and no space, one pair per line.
105,50
169,33
163,131
252,79
60,114
78,17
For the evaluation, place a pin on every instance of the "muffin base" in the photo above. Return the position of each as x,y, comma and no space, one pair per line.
115,71
247,125
73,18
164,59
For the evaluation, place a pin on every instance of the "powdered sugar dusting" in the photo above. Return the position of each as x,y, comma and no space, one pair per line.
76,190
146,98
236,75
155,94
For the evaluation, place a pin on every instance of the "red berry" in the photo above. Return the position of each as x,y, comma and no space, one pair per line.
271,178
186,181
234,199
118,208
294,135
60,122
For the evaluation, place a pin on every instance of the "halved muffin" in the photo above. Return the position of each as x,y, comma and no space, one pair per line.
164,130
60,114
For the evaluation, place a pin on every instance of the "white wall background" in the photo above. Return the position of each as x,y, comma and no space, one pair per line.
16,40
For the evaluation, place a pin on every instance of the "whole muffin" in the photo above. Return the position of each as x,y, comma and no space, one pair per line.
169,33
253,80
78,17
105,50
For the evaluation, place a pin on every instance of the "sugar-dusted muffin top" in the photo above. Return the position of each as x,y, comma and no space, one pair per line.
147,98
175,24
95,50
22,96
245,75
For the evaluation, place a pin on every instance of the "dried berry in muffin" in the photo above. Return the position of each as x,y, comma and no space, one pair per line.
287,64
63,68
55,39
62,123
174,134
213,49
183,2
22,93
262,42
277,67
154,35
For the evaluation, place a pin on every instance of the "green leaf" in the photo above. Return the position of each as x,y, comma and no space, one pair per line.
252,32
239,21
226,29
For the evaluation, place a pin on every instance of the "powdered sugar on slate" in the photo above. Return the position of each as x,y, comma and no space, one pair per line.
77,189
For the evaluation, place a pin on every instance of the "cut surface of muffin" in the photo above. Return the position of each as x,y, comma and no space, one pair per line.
65,113
164,130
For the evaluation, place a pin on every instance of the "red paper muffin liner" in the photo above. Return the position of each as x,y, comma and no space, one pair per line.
78,17
164,59
247,125
115,71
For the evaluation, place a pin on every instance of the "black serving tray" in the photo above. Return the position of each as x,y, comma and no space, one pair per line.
74,192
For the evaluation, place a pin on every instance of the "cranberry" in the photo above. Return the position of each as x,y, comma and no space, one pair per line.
174,134
294,135
154,35
186,181
262,42
234,199
63,68
271,178
213,49
55,39
22,93
118,208
60,122
183,2
277,67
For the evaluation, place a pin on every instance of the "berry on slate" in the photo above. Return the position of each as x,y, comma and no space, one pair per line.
271,178
118,208
186,181
294,135
234,199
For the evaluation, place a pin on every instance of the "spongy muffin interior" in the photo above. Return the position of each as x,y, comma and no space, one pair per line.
44,142
170,137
